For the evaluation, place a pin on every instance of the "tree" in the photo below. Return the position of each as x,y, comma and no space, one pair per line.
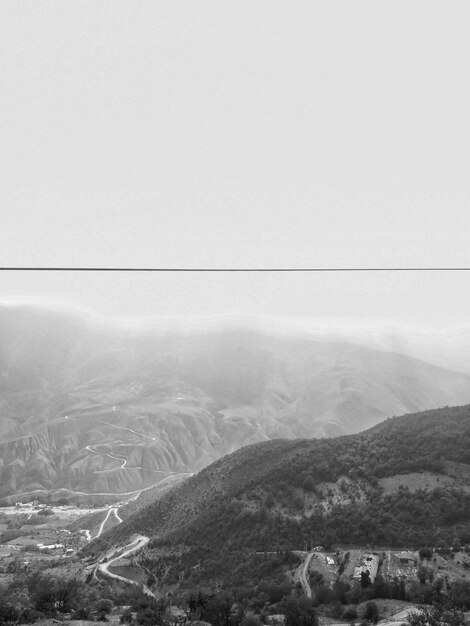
437,615
456,545
340,589
381,587
218,610
149,611
350,613
372,612
365,579
54,595
103,608
196,605
126,617
8,613
425,553
421,574
298,611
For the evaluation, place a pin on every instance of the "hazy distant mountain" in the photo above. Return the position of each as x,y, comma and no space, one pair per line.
91,407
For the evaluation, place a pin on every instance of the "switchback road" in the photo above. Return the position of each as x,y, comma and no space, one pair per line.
134,546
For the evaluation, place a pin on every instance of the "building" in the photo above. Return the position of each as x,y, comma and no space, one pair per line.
368,563
406,558
51,546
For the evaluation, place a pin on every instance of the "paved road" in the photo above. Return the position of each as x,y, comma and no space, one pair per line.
303,574
137,544
136,432
111,456
110,512
123,460
114,510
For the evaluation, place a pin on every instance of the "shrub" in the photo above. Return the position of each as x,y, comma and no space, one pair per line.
372,612
425,553
126,617
350,613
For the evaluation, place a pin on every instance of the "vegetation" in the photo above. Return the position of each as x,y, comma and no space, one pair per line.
263,503
273,497
40,594
440,614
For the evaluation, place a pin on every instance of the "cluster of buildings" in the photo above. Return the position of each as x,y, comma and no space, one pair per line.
54,546
368,564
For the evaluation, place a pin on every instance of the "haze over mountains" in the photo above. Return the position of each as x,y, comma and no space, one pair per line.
92,407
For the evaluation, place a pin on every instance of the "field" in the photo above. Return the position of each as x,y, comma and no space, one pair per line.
24,529
319,564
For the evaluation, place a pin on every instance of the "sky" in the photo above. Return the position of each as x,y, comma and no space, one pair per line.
237,134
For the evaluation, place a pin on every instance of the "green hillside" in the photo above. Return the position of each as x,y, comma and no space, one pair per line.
273,496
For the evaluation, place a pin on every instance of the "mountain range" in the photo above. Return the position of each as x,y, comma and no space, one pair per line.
91,407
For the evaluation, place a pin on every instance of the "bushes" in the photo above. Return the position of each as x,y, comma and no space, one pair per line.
372,612
251,620
126,617
8,614
298,611
350,613
54,595
425,553
437,615
103,608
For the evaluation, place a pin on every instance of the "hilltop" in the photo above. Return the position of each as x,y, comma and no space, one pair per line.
89,408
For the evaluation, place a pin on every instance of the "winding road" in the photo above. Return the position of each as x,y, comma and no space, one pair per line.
303,574
133,431
140,541
113,510
136,544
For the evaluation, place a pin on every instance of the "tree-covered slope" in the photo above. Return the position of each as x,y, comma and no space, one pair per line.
277,494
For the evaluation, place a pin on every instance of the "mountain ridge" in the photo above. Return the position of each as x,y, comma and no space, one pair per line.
274,496
77,399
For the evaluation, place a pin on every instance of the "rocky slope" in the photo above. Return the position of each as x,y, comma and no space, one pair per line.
90,407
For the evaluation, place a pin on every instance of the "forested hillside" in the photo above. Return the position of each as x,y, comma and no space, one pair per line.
275,495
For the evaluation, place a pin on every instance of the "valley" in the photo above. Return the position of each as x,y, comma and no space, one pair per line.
87,408
191,477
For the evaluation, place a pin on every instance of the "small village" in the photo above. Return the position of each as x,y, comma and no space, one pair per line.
360,566
40,531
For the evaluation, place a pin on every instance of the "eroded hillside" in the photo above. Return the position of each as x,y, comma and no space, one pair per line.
90,408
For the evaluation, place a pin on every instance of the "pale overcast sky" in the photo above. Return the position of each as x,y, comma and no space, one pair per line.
237,134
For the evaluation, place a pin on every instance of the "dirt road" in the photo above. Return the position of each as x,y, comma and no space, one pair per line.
302,574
